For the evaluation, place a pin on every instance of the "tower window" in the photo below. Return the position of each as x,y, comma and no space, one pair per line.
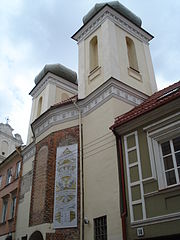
133,63
93,53
39,109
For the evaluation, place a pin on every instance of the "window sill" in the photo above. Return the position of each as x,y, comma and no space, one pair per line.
170,188
94,73
135,74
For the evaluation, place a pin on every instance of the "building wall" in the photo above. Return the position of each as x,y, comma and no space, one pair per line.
38,199
7,192
101,169
162,209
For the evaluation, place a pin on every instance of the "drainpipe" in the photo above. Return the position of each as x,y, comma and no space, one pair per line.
81,172
18,150
123,206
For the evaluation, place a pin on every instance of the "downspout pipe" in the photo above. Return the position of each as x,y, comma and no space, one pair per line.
123,206
81,172
18,150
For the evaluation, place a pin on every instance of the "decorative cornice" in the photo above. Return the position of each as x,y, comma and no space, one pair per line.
109,13
29,152
55,80
112,88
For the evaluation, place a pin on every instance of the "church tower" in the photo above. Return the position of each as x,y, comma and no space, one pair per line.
55,83
112,44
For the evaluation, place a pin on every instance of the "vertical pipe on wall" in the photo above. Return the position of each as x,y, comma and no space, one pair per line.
123,206
81,173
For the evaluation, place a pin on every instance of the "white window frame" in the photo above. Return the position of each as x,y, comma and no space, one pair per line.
13,206
174,163
18,169
4,210
157,133
9,177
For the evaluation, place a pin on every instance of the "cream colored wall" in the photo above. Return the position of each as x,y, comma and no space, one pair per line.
50,95
22,224
101,184
147,84
113,61
59,93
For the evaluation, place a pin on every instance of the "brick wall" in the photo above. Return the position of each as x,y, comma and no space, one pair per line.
42,201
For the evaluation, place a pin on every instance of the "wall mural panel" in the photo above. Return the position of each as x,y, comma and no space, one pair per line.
65,199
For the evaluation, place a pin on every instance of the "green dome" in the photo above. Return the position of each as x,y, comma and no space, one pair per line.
116,6
58,70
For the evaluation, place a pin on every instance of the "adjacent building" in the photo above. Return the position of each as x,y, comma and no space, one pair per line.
8,141
148,143
10,171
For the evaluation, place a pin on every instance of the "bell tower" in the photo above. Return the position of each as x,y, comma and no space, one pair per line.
55,83
112,44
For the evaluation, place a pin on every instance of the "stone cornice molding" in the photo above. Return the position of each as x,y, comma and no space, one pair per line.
108,13
65,113
51,78
28,151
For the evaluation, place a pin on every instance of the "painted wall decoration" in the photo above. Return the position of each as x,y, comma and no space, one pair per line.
65,199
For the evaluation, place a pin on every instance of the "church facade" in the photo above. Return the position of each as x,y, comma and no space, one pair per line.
70,186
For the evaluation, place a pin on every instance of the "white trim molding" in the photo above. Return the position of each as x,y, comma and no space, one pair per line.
157,133
137,183
109,13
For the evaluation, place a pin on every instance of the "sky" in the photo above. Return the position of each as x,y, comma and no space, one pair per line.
35,33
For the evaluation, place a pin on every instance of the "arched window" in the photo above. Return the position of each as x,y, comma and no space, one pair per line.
39,109
93,48
64,96
4,149
133,63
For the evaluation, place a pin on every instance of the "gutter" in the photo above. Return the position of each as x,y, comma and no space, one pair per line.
18,150
74,101
123,205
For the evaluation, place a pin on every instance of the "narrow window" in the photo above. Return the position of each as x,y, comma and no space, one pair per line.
100,228
18,168
133,63
13,206
171,161
39,107
93,53
9,176
4,210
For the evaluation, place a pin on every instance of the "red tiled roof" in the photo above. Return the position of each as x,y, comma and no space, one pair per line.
156,100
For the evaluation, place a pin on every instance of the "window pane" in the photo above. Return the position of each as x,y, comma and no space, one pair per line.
168,162
166,148
178,158
179,172
170,177
100,228
176,143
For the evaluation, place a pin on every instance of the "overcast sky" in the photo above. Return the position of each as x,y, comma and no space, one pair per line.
35,33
